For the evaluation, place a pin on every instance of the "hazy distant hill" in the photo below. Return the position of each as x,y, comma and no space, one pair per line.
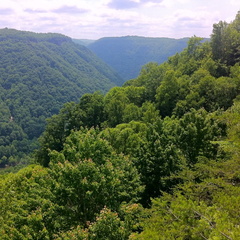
84,42
128,54
38,74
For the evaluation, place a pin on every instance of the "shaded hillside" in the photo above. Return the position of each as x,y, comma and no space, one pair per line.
38,74
128,54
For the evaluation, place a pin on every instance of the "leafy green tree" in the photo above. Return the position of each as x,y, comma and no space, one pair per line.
194,48
115,102
150,114
107,226
194,134
191,58
167,94
225,41
27,208
89,112
57,129
77,233
91,107
136,95
154,149
206,205
225,91
186,219
150,77
90,175
131,113
217,39
126,138
158,158
206,90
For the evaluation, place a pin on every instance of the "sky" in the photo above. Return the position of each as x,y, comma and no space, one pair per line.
94,19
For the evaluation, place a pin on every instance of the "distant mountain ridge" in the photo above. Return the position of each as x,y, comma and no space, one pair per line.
84,42
128,54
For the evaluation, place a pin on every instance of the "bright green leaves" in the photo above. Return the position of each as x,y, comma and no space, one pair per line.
127,137
231,118
153,148
88,112
157,158
225,42
206,205
82,179
115,102
194,134
150,78
86,144
165,147
122,104
108,226
207,211
90,175
27,210
82,189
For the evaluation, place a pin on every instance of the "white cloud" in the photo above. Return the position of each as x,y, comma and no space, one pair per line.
99,18
69,10
6,11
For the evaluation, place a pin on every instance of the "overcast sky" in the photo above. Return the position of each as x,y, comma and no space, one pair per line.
93,19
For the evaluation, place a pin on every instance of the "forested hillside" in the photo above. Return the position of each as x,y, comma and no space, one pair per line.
157,158
128,54
38,74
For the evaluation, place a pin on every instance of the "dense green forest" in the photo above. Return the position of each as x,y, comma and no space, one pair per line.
38,74
128,54
157,158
